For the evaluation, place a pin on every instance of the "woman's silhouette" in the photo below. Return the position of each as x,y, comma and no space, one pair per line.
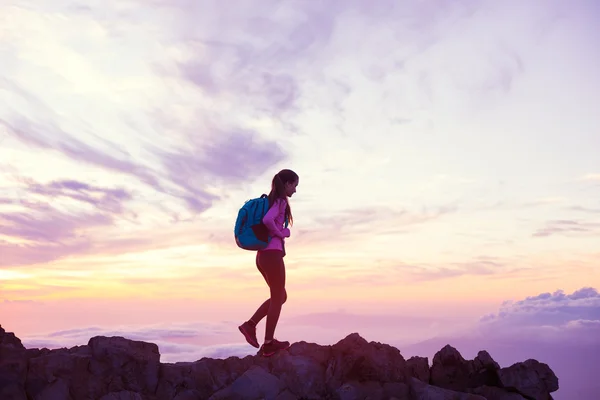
270,263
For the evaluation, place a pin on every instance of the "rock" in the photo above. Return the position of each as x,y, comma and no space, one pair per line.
116,368
422,391
13,367
286,395
372,390
133,364
418,367
354,359
485,361
122,395
484,371
302,369
58,389
531,378
450,370
255,383
496,393
360,390
9,342
397,391
188,394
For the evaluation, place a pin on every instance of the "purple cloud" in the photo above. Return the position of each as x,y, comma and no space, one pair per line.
257,58
28,254
53,227
550,309
49,136
226,158
110,200
46,233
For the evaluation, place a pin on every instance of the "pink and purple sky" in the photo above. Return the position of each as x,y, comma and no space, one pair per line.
448,155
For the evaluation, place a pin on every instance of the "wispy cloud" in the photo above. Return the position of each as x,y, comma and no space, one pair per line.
55,220
50,137
220,161
568,227
585,209
479,266
355,223
105,199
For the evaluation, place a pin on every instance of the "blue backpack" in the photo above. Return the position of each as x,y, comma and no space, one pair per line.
250,232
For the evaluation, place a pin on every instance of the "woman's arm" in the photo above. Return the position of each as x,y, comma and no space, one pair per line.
278,208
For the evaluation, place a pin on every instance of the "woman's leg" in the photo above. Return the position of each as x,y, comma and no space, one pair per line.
271,263
262,311
248,328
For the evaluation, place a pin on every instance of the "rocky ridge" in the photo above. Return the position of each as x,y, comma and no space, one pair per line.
116,368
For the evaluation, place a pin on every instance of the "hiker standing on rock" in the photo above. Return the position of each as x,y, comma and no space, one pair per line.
269,257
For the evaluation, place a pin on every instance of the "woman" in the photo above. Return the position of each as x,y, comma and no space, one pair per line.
270,263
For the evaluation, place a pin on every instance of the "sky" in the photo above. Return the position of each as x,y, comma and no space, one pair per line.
447,154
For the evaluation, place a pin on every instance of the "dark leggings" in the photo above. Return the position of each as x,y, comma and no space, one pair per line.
271,266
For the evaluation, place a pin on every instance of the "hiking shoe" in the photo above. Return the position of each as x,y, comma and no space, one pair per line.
268,349
249,332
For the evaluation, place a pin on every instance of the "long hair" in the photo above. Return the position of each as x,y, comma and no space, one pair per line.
278,190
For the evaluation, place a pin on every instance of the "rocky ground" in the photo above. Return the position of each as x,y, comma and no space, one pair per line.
115,368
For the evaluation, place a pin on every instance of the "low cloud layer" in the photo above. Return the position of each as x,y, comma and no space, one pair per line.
183,342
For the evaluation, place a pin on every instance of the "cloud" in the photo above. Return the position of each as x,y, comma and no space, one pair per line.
55,219
47,136
110,200
146,122
221,160
176,342
585,209
568,228
556,309
550,316
357,222
50,225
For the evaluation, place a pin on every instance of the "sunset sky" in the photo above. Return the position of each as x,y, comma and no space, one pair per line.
448,154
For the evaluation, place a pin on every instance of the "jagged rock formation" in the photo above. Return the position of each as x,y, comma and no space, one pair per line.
115,368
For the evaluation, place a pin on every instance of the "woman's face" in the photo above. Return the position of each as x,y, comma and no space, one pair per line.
290,188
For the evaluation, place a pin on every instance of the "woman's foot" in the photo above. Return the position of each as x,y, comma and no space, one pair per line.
248,329
273,346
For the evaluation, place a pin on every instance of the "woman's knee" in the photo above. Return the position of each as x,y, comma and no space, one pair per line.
279,296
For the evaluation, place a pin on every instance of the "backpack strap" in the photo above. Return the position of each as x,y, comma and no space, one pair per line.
266,204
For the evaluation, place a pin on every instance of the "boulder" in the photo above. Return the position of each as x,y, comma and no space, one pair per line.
418,367
422,391
531,378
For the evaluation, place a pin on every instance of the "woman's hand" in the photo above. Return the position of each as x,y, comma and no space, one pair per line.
286,232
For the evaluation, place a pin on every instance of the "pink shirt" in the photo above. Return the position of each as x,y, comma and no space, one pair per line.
274,221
